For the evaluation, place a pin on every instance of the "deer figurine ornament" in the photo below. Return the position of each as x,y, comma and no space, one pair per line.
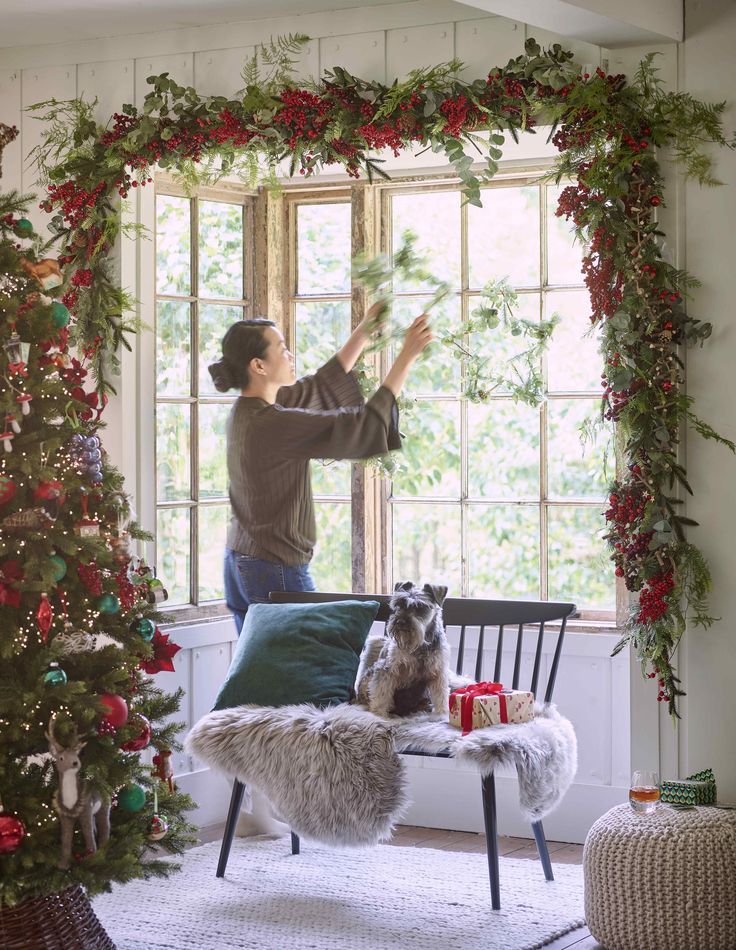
76,801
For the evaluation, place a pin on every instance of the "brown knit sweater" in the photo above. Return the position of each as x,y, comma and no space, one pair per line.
269,447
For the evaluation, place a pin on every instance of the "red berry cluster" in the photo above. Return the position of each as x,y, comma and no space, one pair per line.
637,142
662,695
91,576
653,597
122,125
573,203
127,592
74,201
304,115
576,130
625,515
459,113
387,135
82,278
230,129
69,299
605,285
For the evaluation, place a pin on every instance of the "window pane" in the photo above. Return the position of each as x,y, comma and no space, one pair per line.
435,219
331,566
431,452
214,319
564,253
499,346
323,248
331,478
503,450
577,470
212,450
173,451
220,249
426,545
213,523
436,371
173,357
172,553
503,237
573,361
579,568
504,551
173,245
321,329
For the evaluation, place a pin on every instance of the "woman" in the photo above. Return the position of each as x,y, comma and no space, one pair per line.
276,426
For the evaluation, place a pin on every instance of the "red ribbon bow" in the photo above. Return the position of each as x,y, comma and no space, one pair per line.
466,695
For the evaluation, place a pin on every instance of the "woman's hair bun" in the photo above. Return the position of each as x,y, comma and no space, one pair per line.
222,376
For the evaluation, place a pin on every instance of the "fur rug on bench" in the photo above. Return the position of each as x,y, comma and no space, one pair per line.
334,775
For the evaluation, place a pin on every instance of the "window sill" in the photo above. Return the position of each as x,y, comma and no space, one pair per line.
188,614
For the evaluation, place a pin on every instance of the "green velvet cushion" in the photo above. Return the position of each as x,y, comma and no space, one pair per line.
298,653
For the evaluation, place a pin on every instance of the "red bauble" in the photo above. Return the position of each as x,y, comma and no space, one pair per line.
142,739
51,495
118,709
12,832
7,489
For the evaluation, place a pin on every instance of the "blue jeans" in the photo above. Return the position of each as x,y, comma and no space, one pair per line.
249,580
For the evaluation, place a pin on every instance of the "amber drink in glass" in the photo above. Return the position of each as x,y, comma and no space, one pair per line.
644,792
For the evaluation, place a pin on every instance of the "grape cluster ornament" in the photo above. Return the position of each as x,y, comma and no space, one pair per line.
87,456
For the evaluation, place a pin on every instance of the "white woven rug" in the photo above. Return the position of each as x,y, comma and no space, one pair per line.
381,898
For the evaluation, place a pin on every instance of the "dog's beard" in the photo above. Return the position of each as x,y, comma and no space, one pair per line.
408,632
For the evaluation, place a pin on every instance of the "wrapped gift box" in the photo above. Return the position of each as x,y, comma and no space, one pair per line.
696,789
489,704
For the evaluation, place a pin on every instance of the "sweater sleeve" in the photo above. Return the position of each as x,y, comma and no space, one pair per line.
354,432
329,388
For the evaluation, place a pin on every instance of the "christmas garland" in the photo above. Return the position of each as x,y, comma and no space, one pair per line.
607,131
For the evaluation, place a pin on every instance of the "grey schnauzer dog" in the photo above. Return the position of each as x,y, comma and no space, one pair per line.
407,670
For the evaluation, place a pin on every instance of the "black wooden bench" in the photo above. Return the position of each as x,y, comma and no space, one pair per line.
483,620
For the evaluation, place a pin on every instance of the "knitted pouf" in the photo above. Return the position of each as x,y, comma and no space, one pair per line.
665,881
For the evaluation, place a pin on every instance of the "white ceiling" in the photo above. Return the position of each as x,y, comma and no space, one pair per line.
38,22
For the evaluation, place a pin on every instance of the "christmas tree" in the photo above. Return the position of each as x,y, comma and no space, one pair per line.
79,639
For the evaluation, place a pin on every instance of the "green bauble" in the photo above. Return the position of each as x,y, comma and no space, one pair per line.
108,604
23,228
131,797
60,316
145,628
55,676
59,565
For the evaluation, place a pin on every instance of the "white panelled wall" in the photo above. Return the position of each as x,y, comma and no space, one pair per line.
601,695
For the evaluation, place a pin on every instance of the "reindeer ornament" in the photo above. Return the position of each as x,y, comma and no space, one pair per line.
76,801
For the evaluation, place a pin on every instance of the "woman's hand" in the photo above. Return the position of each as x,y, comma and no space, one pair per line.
417,338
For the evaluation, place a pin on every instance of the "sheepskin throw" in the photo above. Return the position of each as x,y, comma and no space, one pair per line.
334,775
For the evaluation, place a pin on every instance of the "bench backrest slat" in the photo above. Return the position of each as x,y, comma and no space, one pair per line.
477,613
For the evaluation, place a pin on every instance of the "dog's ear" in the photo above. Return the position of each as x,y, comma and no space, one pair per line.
403,585
438,593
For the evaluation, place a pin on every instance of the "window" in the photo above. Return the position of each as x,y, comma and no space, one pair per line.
204,281
320,303
498,499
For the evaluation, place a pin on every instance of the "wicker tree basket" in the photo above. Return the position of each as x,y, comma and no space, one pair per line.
62,921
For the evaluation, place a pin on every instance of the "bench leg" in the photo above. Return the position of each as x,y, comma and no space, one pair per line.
236,800
294,843
489,819
543,850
